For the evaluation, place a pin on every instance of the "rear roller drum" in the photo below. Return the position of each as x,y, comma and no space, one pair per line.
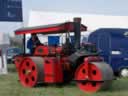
31,71
98,77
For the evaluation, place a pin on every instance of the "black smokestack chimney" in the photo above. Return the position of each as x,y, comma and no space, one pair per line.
77,33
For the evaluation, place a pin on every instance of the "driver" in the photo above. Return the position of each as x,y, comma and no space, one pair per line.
32,43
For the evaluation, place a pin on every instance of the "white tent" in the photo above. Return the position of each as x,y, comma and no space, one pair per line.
92,21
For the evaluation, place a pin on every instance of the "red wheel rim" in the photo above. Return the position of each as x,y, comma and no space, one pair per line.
28,73
94,74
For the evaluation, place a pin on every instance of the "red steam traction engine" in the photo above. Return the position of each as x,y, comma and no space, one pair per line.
62,64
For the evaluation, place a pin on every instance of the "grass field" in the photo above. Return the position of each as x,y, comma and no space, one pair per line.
10,86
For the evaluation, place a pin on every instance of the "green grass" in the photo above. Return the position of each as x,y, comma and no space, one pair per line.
10,86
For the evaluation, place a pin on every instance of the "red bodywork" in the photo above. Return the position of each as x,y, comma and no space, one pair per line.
53,72
44,50
18,60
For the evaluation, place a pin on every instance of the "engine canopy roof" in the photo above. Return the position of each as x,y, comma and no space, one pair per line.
49,29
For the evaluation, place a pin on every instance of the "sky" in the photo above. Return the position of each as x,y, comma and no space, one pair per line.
106,7
103,7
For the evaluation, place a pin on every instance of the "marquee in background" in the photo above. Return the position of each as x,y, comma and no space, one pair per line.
11,10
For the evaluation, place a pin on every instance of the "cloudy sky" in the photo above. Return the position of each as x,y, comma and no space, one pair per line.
110,7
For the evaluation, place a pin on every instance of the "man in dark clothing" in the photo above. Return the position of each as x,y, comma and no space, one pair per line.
32,43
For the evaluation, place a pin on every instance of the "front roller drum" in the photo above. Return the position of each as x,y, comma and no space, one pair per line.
98,77
31,71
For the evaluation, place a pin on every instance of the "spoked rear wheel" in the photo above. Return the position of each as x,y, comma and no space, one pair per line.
31,71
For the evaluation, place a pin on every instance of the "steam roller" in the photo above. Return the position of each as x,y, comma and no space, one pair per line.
55,64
